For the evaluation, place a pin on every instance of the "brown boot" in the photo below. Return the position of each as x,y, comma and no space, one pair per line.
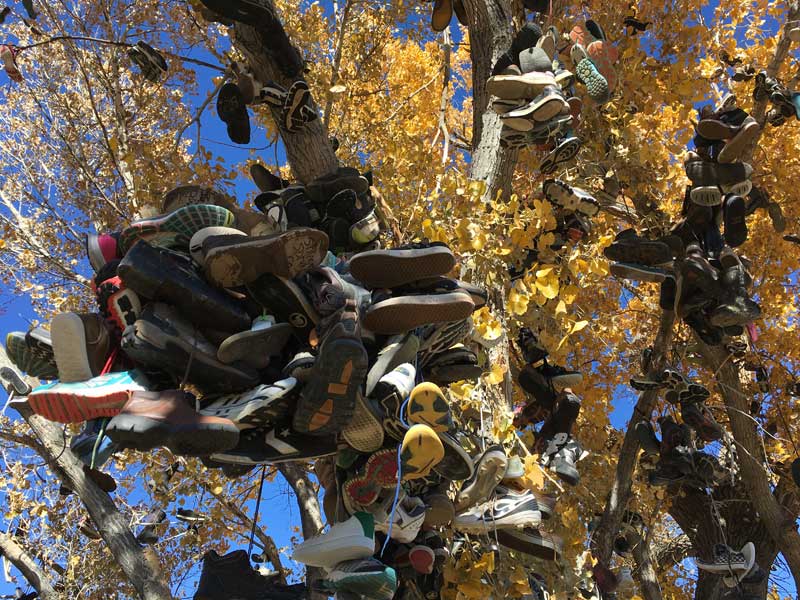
152,419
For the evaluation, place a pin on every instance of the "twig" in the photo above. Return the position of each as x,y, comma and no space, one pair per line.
196,117
337,61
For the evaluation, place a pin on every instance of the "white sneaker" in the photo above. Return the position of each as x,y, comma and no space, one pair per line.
262,405
408,518
504,512
348,540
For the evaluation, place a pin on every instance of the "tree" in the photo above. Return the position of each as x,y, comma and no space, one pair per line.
107,145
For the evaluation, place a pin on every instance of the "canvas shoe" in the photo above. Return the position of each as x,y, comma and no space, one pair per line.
102,396
365,431
727,560
407,518
255,347
349,540
274,446
183,222
166,419
427,405
231,261
509,511
160,274
366,578
404,313
81,345
490,468
395,267
570,198
263,405
36,360
161,339
420,450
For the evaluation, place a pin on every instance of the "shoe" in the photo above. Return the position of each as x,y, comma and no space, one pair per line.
81,345
165,419
274,446
452,365
533,542
264,405
91,445
327,401
407,518
519,87
102,396
405,313
365,431
628,247
510,511
699,418
570,198
440,511
562,454
101,249
298,107
681,389
196,242
422,559
367,578
232,109
420,451
34,358
734,216
150,524
379,473
349,540
637,272
427,405
441,14
233,572
396,267
324,188
736,307
559,377
160,274
727,560
287,302
547,105
232,261
182,223
388,396
490,468
565,151
588,74
562,419
265,339
161,339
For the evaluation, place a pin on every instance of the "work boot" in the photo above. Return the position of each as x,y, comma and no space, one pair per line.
736,307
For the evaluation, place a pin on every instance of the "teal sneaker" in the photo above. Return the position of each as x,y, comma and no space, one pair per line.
368,577
588,75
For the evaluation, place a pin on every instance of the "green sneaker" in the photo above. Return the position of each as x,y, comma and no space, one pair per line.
367,577
185,222
36,361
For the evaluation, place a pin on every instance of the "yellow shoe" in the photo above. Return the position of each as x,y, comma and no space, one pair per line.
428,406
421,451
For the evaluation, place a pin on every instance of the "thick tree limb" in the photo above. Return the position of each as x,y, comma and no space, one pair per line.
27,566
645,572
671,552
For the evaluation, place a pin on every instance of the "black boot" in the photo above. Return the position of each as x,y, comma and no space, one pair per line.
736,307
231,576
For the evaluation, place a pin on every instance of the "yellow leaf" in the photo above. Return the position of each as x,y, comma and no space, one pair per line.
569,293
561,308
495,376
217,489
485,563
534,476
578,326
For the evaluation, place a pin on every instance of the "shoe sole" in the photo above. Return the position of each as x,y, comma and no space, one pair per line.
567,380
283,299
565,196
365,431
518,87
286,255
255,347
711,129
369,585
404,313
69,348
380,473
642,252
394,268
564,152
327,401
740,188
595,83
143,433
543,110
403,351
534,545
457,463
185,221
637,273
735,147
427,407
487,476
28,359
566,473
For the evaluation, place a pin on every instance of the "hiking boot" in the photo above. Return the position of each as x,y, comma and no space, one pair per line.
509,511
231,261
395,267
152,419
232,573
32,357
161,339
160,274
102,396
490,468
266,404
327,401
81,345
561,455
349,540
699,418
427,405
628,247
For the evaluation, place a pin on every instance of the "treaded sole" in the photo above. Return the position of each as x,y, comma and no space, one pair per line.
393,268
520,520
404,313
488,475
142,433
69,348
255,347
517,87
64,407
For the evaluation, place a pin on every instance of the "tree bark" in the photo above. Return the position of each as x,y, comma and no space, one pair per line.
645,573
27,566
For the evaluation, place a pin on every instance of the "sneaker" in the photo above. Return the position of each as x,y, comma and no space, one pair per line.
511,511
628,247
565,151
490,468
457,464
570,198
387,399
427,405
405,313
183,222
233,571
365,431
328,400
284,299
452,365
587,73
562,454
395,267
562,419
264,340
736,145
81,345
298,108
367,578
160,274
519,87
231,261
161,339
149,60
37,360
91,445
263,405
101,249
118,305
407,518
379,473
196,242
274,446
727,560
151,523
349,540
734,217
165,419
440,509
102,396
547,105
420,451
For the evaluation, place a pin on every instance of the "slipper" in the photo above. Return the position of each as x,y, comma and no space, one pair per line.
233,111
565,151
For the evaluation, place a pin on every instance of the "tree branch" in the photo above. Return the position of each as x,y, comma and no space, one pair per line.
27,566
